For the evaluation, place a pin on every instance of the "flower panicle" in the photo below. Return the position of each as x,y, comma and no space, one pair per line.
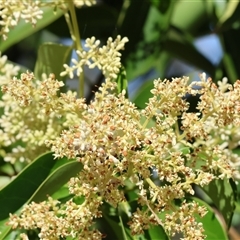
115,146
12,12
106,58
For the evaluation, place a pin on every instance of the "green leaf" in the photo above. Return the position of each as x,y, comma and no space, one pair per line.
162,6
229,15
211,223
194,19
123,228
4,229
62,193
43,177
223,195
163,63
209,7
144,52
143,94
57,179
40,178
122,82
111,227
156,232
131,26
23,29
180,44
4,180
230,67
98,20
185,150
51,57
21,188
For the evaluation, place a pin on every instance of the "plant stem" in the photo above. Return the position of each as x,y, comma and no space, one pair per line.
77,40
152,184
122,14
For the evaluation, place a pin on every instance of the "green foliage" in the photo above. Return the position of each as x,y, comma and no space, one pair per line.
23,30
122,81
46,61
163,30
44,176
143,94
15,194
212,224
223,194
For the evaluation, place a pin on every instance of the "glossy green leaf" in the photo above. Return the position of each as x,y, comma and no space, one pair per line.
162,64
185,150
230,67
41,178
162,6
209,6
57,179
4,180
51,57
156,232
145,51
4,229
6,232
62,193
229,15
180,45
189,16
223,195
122,82
98,20
123,228
143,94
111,226
131,26
23,30
21,188
211,223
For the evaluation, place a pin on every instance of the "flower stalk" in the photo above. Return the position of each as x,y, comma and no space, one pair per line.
75,34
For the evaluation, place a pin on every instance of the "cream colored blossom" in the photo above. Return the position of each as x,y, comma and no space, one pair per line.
7,70
106,58
80,3
111,139
183,221
24,236
28,118
58,220
12,11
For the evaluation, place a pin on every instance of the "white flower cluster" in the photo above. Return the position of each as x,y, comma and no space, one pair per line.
106,58
12,11
80,3
27,120
7,70
116,147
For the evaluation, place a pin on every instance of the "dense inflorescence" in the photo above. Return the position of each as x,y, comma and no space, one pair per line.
13,11
107,58
28,118
113,141
162,151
